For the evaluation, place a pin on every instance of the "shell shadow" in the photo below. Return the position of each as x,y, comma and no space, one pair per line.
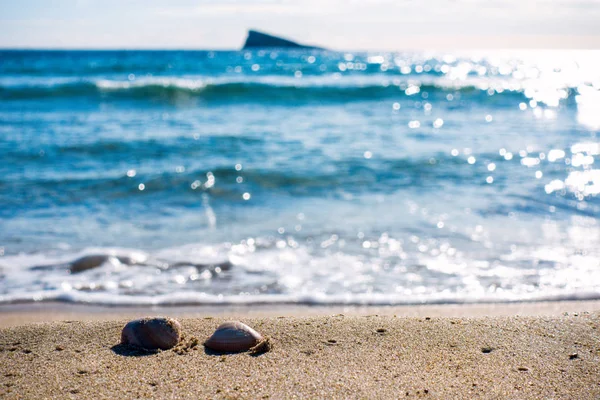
131,351
211,352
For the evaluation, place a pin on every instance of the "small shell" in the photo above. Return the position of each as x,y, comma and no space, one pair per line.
152,333
233,337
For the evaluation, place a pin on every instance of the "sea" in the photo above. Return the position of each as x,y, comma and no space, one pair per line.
299,177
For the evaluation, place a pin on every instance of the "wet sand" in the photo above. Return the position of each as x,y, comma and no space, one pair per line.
19,314
357,355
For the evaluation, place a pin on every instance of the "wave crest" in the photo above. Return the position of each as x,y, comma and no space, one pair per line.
264,90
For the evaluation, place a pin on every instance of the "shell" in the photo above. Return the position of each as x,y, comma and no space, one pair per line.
233,337
152,333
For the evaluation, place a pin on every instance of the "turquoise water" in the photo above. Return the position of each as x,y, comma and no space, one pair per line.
299,176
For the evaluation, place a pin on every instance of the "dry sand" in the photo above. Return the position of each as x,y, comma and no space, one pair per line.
341,356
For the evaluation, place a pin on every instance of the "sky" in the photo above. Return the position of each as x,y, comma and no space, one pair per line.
335,24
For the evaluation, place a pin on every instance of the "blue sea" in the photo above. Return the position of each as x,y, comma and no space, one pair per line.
310,177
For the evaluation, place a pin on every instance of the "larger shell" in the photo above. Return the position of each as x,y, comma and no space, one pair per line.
233,337
152,333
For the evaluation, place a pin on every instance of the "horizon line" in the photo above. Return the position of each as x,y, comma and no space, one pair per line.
35,48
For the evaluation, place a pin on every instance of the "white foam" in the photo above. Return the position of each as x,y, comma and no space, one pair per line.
264,272
193,298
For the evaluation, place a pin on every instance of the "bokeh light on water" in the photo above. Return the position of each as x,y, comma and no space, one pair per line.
318,177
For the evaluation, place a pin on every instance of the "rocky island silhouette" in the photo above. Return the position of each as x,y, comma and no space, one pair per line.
258,39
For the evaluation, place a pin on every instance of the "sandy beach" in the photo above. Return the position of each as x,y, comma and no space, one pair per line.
276,186
555,354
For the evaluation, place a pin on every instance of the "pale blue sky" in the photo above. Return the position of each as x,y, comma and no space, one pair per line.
337,24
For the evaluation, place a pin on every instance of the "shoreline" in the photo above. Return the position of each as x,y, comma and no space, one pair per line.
27,313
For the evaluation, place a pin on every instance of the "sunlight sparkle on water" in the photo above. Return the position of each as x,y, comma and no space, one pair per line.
485,169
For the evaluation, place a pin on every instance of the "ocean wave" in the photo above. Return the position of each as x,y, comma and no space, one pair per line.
265,89
219,274
347,175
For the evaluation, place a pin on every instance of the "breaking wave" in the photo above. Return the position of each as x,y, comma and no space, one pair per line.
259,90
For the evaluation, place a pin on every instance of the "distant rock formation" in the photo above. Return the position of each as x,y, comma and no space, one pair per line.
262,40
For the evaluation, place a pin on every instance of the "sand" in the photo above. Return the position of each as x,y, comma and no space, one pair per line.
19,314
340,356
